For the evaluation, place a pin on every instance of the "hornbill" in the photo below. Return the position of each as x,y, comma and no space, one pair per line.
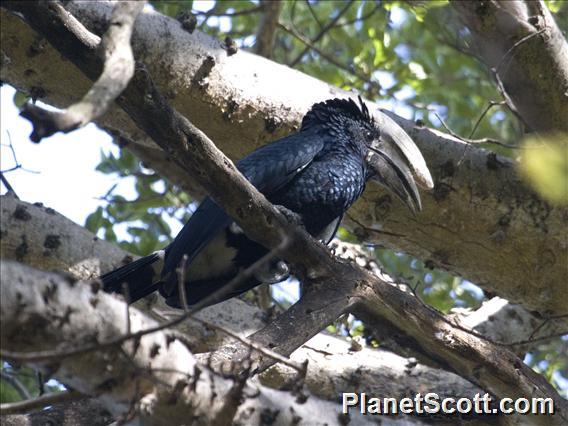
316,173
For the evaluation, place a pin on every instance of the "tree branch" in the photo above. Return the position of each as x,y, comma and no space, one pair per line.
501,234
156,371
117,72
519,40
324,378
267,28
40,402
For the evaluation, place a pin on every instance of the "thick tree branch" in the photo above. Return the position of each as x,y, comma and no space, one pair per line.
482,222
521,44
324,378
28,405
156,376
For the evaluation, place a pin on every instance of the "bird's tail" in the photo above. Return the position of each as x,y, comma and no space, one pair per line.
142,277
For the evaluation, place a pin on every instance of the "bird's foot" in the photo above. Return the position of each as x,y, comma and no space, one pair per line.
291,217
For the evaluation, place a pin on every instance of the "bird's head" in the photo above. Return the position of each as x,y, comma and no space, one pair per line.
393,159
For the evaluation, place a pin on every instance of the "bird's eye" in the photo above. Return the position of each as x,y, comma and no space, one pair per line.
369,135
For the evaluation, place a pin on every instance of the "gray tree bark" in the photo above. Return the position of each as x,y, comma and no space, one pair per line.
153,377
481,222
332,366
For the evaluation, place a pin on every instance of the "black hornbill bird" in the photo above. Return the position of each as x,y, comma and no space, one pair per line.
316,173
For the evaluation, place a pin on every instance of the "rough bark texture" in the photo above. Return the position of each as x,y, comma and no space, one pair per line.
42,238
521,42
333,368
155,375
481,222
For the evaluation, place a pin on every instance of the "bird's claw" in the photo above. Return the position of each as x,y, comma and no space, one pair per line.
291,217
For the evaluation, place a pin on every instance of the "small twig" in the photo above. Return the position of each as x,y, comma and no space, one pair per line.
213,12
508,100
16,384
319,36
9,187
483,114
313,13
472,141
17,166
330,58
300,368
118,69
216,296
22,407
359,19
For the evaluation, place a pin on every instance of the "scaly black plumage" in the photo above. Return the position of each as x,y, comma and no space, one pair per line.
317,173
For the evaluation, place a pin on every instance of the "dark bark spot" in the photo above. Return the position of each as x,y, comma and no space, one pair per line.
268,416
96,286
49,210
38,204
48,293
441,191
127,259
448,169
505,220
107,385
154,350
230,46
3,233
36,47
21,213
343,419
37,93
493,163
231,108
301,398
187,20
94,301
200,77
66,318
411,363
539,211
170,338
52,241
22,249
271,124
29,72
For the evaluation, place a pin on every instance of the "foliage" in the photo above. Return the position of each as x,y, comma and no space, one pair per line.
544,163
27,378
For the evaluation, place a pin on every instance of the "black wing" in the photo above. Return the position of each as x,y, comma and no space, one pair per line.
268,168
